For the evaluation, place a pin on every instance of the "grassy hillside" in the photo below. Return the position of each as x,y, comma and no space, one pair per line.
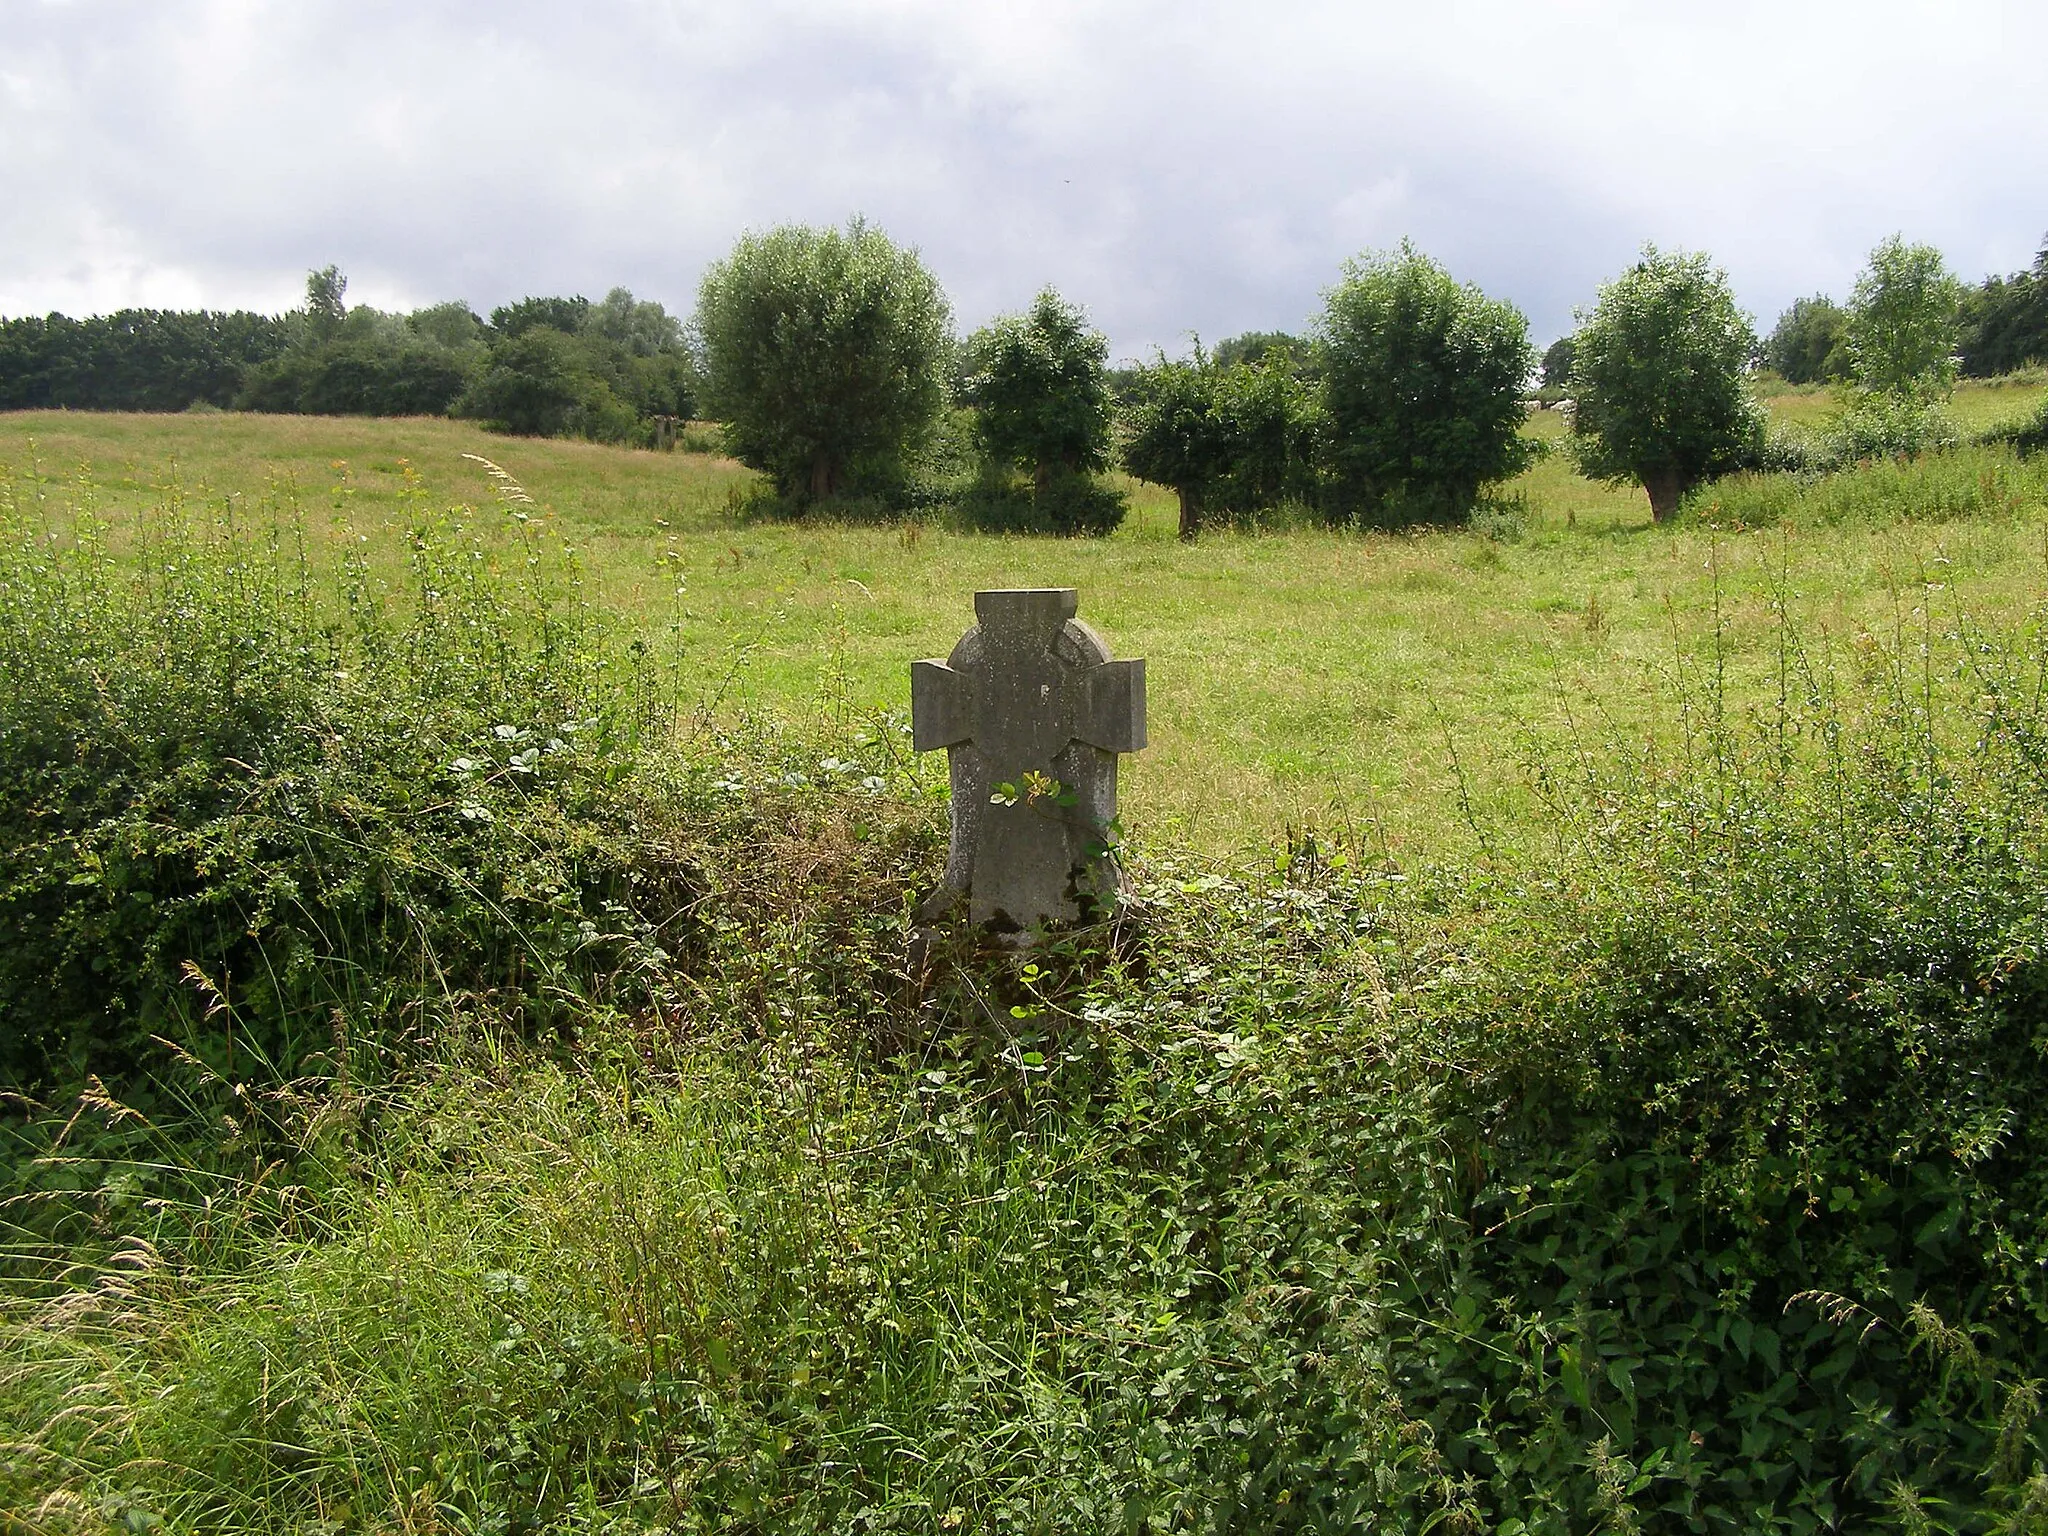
1308,677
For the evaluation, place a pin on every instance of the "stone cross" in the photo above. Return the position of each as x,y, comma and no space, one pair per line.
1032,713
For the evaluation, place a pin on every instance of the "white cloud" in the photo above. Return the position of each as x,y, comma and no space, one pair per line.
1177,167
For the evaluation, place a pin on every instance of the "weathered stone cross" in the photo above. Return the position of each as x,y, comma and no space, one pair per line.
1032,713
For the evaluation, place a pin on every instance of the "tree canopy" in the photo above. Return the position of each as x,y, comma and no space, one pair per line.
1808,344
1423,379
1905,319
1557,362
1658,389
1176,436
1233,439
824,352
1039,384
2005,321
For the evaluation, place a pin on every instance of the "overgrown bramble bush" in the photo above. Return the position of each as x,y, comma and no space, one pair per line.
231,792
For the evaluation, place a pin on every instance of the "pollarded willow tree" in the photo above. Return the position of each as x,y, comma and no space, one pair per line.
1659,393
1228,439
1177,438
1422,389
823,354
1039,383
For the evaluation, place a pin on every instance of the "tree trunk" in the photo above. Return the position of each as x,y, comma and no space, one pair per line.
824,477
1190,512
1665,485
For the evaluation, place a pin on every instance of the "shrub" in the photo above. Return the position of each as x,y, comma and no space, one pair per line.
345,377
1658,389
362,361
1865,427
1232,441
1904,322
542,383
1879,426
1796,1002
1682,1171
1273,423
566,367
1039,387
2029,436
1976,482
1422,390
823,355
243,815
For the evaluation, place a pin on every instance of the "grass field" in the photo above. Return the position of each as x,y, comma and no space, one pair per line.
1297,677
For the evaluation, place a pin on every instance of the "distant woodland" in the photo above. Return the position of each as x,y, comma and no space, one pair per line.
616,370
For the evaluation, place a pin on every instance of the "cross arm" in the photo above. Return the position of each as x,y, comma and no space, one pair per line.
1113,707
940,713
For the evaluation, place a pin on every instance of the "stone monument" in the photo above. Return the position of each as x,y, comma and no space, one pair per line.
1032,713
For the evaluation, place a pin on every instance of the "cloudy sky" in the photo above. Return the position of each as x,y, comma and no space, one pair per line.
1178,167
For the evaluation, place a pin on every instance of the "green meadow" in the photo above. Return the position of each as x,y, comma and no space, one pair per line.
1298,677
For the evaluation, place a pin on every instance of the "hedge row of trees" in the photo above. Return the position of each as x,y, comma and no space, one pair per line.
829,356
615,371
826,352
136,360
1996,327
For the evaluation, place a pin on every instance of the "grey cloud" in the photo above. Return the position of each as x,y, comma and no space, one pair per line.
1187,167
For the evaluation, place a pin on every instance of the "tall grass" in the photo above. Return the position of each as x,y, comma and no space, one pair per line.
1983,482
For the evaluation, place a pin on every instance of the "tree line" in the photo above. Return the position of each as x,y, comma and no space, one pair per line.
830,357
618,370
826,353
